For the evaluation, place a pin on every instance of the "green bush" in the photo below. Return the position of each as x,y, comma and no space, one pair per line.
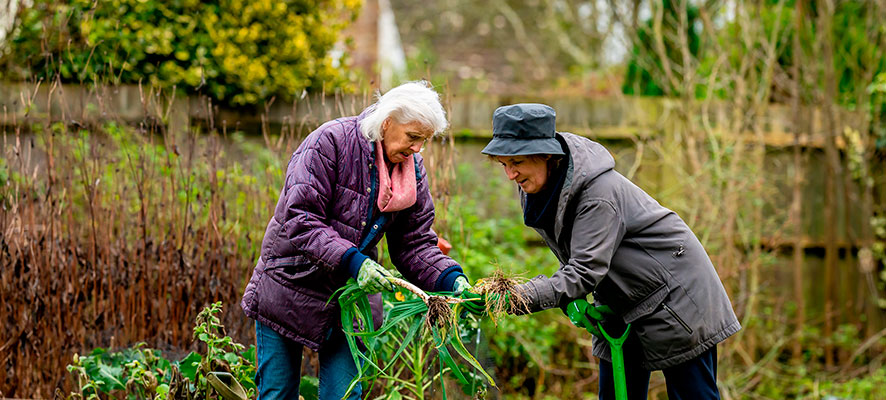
238,52
143,373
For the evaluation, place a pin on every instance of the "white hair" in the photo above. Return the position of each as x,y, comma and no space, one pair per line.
409,102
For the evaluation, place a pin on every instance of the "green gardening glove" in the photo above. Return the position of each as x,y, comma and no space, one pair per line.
585,315
461,285
373,278
476,305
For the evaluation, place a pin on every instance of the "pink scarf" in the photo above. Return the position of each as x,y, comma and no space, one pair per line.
397,190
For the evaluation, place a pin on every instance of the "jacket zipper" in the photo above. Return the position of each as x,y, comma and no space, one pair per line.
677,317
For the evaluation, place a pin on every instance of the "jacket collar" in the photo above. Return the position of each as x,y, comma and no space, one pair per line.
587,160
366,147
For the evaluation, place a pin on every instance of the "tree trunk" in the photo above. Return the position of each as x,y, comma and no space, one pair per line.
832,171
796,211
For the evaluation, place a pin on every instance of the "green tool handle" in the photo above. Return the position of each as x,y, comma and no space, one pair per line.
618,361
584,315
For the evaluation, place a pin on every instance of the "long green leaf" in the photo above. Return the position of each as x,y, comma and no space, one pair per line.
402,313
464,353
413,329
443,354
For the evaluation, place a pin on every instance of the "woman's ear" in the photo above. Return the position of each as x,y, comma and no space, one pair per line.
385,125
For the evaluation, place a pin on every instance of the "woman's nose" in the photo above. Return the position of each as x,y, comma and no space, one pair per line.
512,174
416,147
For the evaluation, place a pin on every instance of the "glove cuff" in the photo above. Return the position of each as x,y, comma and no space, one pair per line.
446,281
353,261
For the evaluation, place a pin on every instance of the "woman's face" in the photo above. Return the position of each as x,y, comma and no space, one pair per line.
529,172
400,141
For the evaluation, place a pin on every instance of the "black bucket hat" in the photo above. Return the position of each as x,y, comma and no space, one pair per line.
523,129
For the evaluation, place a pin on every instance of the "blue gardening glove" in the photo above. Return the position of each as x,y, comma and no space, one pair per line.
461,285
373,278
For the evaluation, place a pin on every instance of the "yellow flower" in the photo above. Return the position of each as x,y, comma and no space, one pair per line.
399,296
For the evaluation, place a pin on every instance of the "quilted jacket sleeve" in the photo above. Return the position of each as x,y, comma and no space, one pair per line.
309,190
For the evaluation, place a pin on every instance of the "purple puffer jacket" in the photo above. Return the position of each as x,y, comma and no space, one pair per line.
322,213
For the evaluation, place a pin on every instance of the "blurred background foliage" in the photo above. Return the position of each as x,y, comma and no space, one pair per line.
852,27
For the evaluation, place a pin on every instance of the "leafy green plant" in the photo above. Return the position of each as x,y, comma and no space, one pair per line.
222,352
432,318
142,373
136,371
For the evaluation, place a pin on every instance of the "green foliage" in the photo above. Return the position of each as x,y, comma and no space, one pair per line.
105,372
801,383
238,52
309,388
856,54
399,351
877,90
7,177
141,373
856,47
644,74
222,352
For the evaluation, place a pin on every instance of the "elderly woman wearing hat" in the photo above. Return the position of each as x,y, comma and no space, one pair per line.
613,240
350,182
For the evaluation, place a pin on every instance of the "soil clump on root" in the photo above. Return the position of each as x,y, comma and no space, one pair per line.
503,296
439,313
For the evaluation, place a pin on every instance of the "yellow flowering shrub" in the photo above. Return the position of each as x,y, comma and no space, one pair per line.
239,52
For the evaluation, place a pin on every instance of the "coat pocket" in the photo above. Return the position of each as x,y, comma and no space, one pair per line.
647,305
671,328
677,317
292,272
300,314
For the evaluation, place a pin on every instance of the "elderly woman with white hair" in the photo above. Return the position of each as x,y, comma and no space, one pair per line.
350,182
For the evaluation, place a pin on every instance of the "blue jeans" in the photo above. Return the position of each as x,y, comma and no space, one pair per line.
693,379
278,366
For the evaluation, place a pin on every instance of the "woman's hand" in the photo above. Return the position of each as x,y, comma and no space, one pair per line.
373,278
588,316
476,305
461,285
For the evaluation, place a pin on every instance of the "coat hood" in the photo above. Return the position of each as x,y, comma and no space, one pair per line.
587,160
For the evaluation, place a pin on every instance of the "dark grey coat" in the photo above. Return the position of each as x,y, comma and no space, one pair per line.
636,256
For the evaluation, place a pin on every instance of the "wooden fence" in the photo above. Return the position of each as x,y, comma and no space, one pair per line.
620,117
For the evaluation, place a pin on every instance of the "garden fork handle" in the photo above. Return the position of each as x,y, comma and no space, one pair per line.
618,361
